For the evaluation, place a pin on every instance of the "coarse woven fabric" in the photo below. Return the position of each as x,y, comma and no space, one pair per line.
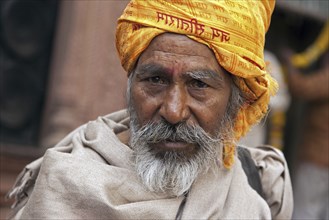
89,175
233,30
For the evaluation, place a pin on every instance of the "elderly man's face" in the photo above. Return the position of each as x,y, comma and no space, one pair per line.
178,97
179,80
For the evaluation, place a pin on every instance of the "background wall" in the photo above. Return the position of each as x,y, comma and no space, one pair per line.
86,78
59,69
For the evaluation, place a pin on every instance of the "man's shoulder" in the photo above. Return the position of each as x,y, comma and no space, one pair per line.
274,176
250,169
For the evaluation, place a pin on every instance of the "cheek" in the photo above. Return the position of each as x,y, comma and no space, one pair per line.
210,114
144,105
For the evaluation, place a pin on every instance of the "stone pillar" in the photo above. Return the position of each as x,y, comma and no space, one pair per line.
86,79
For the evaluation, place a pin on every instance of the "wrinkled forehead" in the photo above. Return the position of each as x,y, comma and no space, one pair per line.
179,43
178,51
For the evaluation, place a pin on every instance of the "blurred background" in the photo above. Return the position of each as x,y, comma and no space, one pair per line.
59,69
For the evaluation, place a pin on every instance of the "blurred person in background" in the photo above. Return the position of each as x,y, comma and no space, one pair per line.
311,180
195,86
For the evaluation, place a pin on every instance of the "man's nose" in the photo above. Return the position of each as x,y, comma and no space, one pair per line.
175,108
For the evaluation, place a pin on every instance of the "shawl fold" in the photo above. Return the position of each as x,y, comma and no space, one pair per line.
89,175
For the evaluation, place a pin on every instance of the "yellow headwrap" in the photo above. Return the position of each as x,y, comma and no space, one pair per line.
234,30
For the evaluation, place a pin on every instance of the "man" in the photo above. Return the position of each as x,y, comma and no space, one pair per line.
311,179
195,86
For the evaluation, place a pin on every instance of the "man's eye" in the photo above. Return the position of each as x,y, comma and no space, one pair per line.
198,84
156,79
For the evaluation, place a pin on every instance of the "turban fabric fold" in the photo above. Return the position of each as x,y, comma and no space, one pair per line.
233,30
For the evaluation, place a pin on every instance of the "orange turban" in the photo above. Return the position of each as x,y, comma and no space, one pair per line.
234,30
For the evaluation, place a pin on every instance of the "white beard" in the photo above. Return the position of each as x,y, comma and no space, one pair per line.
171,173
170,176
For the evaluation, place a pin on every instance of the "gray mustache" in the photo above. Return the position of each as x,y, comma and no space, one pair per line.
162,131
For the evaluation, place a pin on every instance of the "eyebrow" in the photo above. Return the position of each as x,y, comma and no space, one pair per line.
150,68
205,74
198,74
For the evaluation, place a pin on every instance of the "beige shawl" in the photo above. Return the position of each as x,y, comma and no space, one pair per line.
88,175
